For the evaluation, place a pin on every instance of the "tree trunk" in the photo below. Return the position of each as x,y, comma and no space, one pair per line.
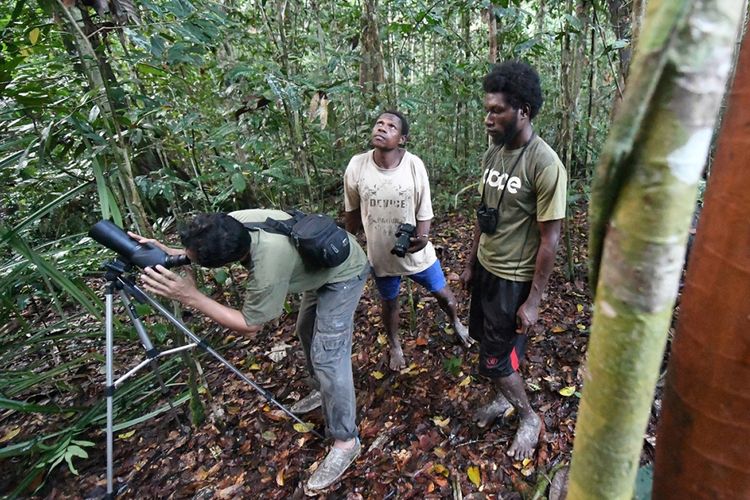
492,34
620,17
371,72
702,439
679,74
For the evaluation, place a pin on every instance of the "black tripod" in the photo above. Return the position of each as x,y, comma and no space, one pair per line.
118,281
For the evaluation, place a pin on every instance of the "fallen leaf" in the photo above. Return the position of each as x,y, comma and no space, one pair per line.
306,427
441,422
269,436
421,341
377,375
579,307
280,476
567,391
440,469
10,434
408,369
474,475
382,339
465,381
126,435
558,329
278,352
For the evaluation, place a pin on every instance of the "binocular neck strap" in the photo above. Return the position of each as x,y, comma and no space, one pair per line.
512,169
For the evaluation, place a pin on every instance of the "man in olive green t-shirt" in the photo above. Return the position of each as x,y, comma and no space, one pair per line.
324,322
523,189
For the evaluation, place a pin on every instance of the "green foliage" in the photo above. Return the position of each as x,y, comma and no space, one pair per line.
204,106
452,365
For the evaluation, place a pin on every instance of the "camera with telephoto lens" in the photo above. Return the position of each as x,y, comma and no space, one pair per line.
487,219
130,250
403,233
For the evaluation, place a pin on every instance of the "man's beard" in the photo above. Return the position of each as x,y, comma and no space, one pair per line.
511,131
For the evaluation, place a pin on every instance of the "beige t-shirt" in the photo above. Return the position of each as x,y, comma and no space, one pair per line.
535,191
386,198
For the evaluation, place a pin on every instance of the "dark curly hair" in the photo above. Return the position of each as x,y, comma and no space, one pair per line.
520,84
401,117
216,239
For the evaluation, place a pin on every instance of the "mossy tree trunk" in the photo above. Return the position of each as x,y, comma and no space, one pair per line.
702,438
642,204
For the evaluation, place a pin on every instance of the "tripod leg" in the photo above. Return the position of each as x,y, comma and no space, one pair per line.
151,352
141,295
109,388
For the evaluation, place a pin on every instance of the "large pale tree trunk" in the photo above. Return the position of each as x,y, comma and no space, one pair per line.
642,204
702,440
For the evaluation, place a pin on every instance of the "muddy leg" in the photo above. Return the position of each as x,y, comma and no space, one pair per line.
530,424
390,312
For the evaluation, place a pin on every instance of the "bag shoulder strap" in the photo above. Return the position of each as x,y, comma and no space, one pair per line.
278,226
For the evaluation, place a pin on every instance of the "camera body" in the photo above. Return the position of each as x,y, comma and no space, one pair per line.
404,232
133,252
487,219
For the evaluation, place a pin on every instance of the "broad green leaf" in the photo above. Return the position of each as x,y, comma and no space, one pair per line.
238,182
34,36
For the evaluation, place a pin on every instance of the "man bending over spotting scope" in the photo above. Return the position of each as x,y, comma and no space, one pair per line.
325,319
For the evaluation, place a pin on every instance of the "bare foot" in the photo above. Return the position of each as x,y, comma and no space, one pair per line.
526,438
489,412
397,361
463,334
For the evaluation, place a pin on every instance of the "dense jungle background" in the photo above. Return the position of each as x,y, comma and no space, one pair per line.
146,111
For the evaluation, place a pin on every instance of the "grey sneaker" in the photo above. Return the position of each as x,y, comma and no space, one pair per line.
308,403
334,465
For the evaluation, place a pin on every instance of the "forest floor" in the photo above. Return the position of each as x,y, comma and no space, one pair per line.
416,426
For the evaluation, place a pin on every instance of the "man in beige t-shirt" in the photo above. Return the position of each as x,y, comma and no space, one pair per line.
384,188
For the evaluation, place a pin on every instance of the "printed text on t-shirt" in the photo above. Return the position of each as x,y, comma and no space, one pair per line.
374,202
498,180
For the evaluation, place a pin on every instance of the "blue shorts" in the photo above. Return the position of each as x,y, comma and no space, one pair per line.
431,278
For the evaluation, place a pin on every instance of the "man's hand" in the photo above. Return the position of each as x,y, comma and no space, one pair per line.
417,243
158,244
164,282
467,277
526,317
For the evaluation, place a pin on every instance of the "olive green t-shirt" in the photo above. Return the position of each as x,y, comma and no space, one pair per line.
535,191
277,269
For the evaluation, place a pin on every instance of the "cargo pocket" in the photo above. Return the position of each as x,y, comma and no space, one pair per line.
331,346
